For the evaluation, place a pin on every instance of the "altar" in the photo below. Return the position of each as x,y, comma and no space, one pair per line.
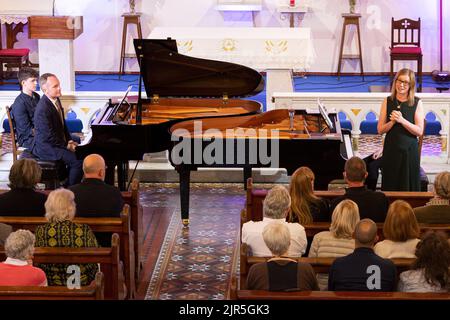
278,51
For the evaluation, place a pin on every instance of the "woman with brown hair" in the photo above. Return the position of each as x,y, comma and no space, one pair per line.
401,232
305,206
23,199
430,271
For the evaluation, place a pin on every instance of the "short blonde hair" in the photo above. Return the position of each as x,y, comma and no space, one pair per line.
401,223
442,185
60,205
277,238
344,219
20,245
277,203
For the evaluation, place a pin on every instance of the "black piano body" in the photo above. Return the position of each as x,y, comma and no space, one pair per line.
178,88
258,141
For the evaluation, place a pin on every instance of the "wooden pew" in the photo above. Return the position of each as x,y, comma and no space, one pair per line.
255,197
320,265
121,226
132,199
95,291
108,258
136,211
337,295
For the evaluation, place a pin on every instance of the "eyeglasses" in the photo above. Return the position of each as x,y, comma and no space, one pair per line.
405,83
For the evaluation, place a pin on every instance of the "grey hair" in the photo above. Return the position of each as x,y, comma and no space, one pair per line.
442,185
277,203
20,245
60,205
277,238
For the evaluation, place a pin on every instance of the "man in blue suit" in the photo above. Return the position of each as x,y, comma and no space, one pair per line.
52,139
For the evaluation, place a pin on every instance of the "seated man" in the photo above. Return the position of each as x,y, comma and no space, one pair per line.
371,204
275,208
363,270
52,139
95,198
22,110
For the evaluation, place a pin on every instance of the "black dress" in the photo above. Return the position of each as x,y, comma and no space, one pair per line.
400,164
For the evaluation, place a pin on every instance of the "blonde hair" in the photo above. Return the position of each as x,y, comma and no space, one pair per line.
20,245
60,206
276,203
277,238
411,88
442,185
401,223
302,195
344,219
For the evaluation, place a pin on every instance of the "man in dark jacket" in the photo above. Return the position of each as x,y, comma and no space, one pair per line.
93,197
363,270
373,205
22,110
52,139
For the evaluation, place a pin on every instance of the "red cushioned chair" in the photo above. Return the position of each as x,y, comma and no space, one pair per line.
13,57
405,44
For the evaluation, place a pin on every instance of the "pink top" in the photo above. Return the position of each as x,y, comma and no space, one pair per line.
21,275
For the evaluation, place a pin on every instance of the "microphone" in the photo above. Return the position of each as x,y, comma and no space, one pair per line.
53,8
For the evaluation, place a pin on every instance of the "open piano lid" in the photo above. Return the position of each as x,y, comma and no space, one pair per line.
165,72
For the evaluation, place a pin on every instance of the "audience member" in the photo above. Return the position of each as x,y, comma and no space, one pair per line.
17,269
93,197
280,273
5,231
438,209
23,199
363,270
305,206
430,271
372,205
275,208
60,231
339,240
401,232
22,110
52,139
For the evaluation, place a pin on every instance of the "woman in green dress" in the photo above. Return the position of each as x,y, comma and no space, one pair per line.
402,119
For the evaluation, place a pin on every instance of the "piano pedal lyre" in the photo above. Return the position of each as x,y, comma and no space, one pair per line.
155,99
185,222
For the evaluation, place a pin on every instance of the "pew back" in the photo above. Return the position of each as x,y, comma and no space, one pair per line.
95,291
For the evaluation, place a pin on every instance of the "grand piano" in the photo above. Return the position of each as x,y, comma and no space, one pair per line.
178,88
279,138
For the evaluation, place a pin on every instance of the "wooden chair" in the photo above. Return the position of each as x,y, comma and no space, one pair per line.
53,172
12,57
405,45
95,291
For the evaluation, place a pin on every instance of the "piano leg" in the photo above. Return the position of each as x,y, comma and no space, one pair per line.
185,179
247,174
122,175
110,171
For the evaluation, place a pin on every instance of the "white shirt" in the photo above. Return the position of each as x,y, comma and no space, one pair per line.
252,236
414,281
389,249
15,262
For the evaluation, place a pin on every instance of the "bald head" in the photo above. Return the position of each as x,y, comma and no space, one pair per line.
94,167
365,233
